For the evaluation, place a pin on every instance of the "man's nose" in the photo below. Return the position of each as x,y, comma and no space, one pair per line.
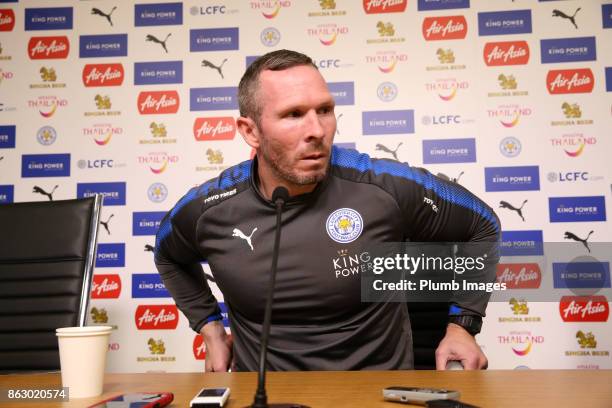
314,128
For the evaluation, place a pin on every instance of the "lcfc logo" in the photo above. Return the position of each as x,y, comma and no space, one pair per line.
344,225
157,192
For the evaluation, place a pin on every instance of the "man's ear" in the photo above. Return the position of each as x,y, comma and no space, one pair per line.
249,131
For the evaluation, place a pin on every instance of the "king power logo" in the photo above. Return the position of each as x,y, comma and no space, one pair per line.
156,317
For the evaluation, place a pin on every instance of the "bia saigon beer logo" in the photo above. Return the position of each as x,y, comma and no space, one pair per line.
344,225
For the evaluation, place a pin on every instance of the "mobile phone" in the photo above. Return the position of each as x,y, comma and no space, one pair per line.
210,398
448,403
417,395
139,399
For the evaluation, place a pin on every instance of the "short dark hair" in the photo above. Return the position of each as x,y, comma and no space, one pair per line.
249,83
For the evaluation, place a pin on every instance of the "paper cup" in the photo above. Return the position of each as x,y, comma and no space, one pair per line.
83,359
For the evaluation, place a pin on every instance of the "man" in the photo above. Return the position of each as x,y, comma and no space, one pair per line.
340,201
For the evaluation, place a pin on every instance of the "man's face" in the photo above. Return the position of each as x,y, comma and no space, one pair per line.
296,125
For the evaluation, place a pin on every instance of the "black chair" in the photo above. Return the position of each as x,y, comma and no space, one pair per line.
47,255
428,321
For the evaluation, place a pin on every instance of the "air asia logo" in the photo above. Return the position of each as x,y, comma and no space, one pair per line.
106,223
571,18
157,192
205,99
384,6
522,341
573,116
584,309
510,146
506,53
520,311
146,223
328,8
269,9
566,81
444,28
103,107
159,135
386,34
387,122
508,85
41,191
446,88
218,128
509,115
48,76
148,285
237,233
7,20
519,275
8,137
113,192
103,75
568,50
344,225
383,148
518,210
156,317
47,106
387,91
7,193
346,265
102,133
45,165
327,33
572,236
573,144
588,343
270,37
110,256
155,40
218,68
158,162
48,47
46,135
516,178
504,22
581,275
449,151
386,61
214,39
446,61
100,46
158,102
522,243
106,286
108,16
199,347
158,14
577,209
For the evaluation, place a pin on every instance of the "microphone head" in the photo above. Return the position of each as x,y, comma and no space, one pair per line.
280,193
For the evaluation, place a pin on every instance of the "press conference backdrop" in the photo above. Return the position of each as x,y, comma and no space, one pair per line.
137,101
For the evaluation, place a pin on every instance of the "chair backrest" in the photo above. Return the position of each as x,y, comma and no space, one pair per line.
428,321
47,255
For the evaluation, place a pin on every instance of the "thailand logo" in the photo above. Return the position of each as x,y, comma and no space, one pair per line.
509,115
156,317
384,6
444,28
48,47
46,135
102,133
270,37
519,275
446,88
573,144
506,53
565,81
386,61
387,91
106,286
97,12
157,192
158,162
158,102
327,33
508,86
328,8
47,105
584,309
386,34
344,225
7,20
522,341
270,9
510,146
103,75
217,128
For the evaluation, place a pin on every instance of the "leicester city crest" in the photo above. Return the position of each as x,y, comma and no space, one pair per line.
344,225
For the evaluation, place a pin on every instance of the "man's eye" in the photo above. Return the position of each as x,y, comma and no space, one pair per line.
325,110
295,114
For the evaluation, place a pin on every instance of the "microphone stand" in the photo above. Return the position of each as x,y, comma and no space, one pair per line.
279,197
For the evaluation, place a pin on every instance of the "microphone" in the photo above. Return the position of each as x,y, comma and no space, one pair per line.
279,196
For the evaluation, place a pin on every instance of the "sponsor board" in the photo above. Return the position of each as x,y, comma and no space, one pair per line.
110,255
114,193
521,243
48,76
99,164
577,209
606,15
45,165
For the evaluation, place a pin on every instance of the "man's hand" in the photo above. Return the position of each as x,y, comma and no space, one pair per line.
459,345
218,346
